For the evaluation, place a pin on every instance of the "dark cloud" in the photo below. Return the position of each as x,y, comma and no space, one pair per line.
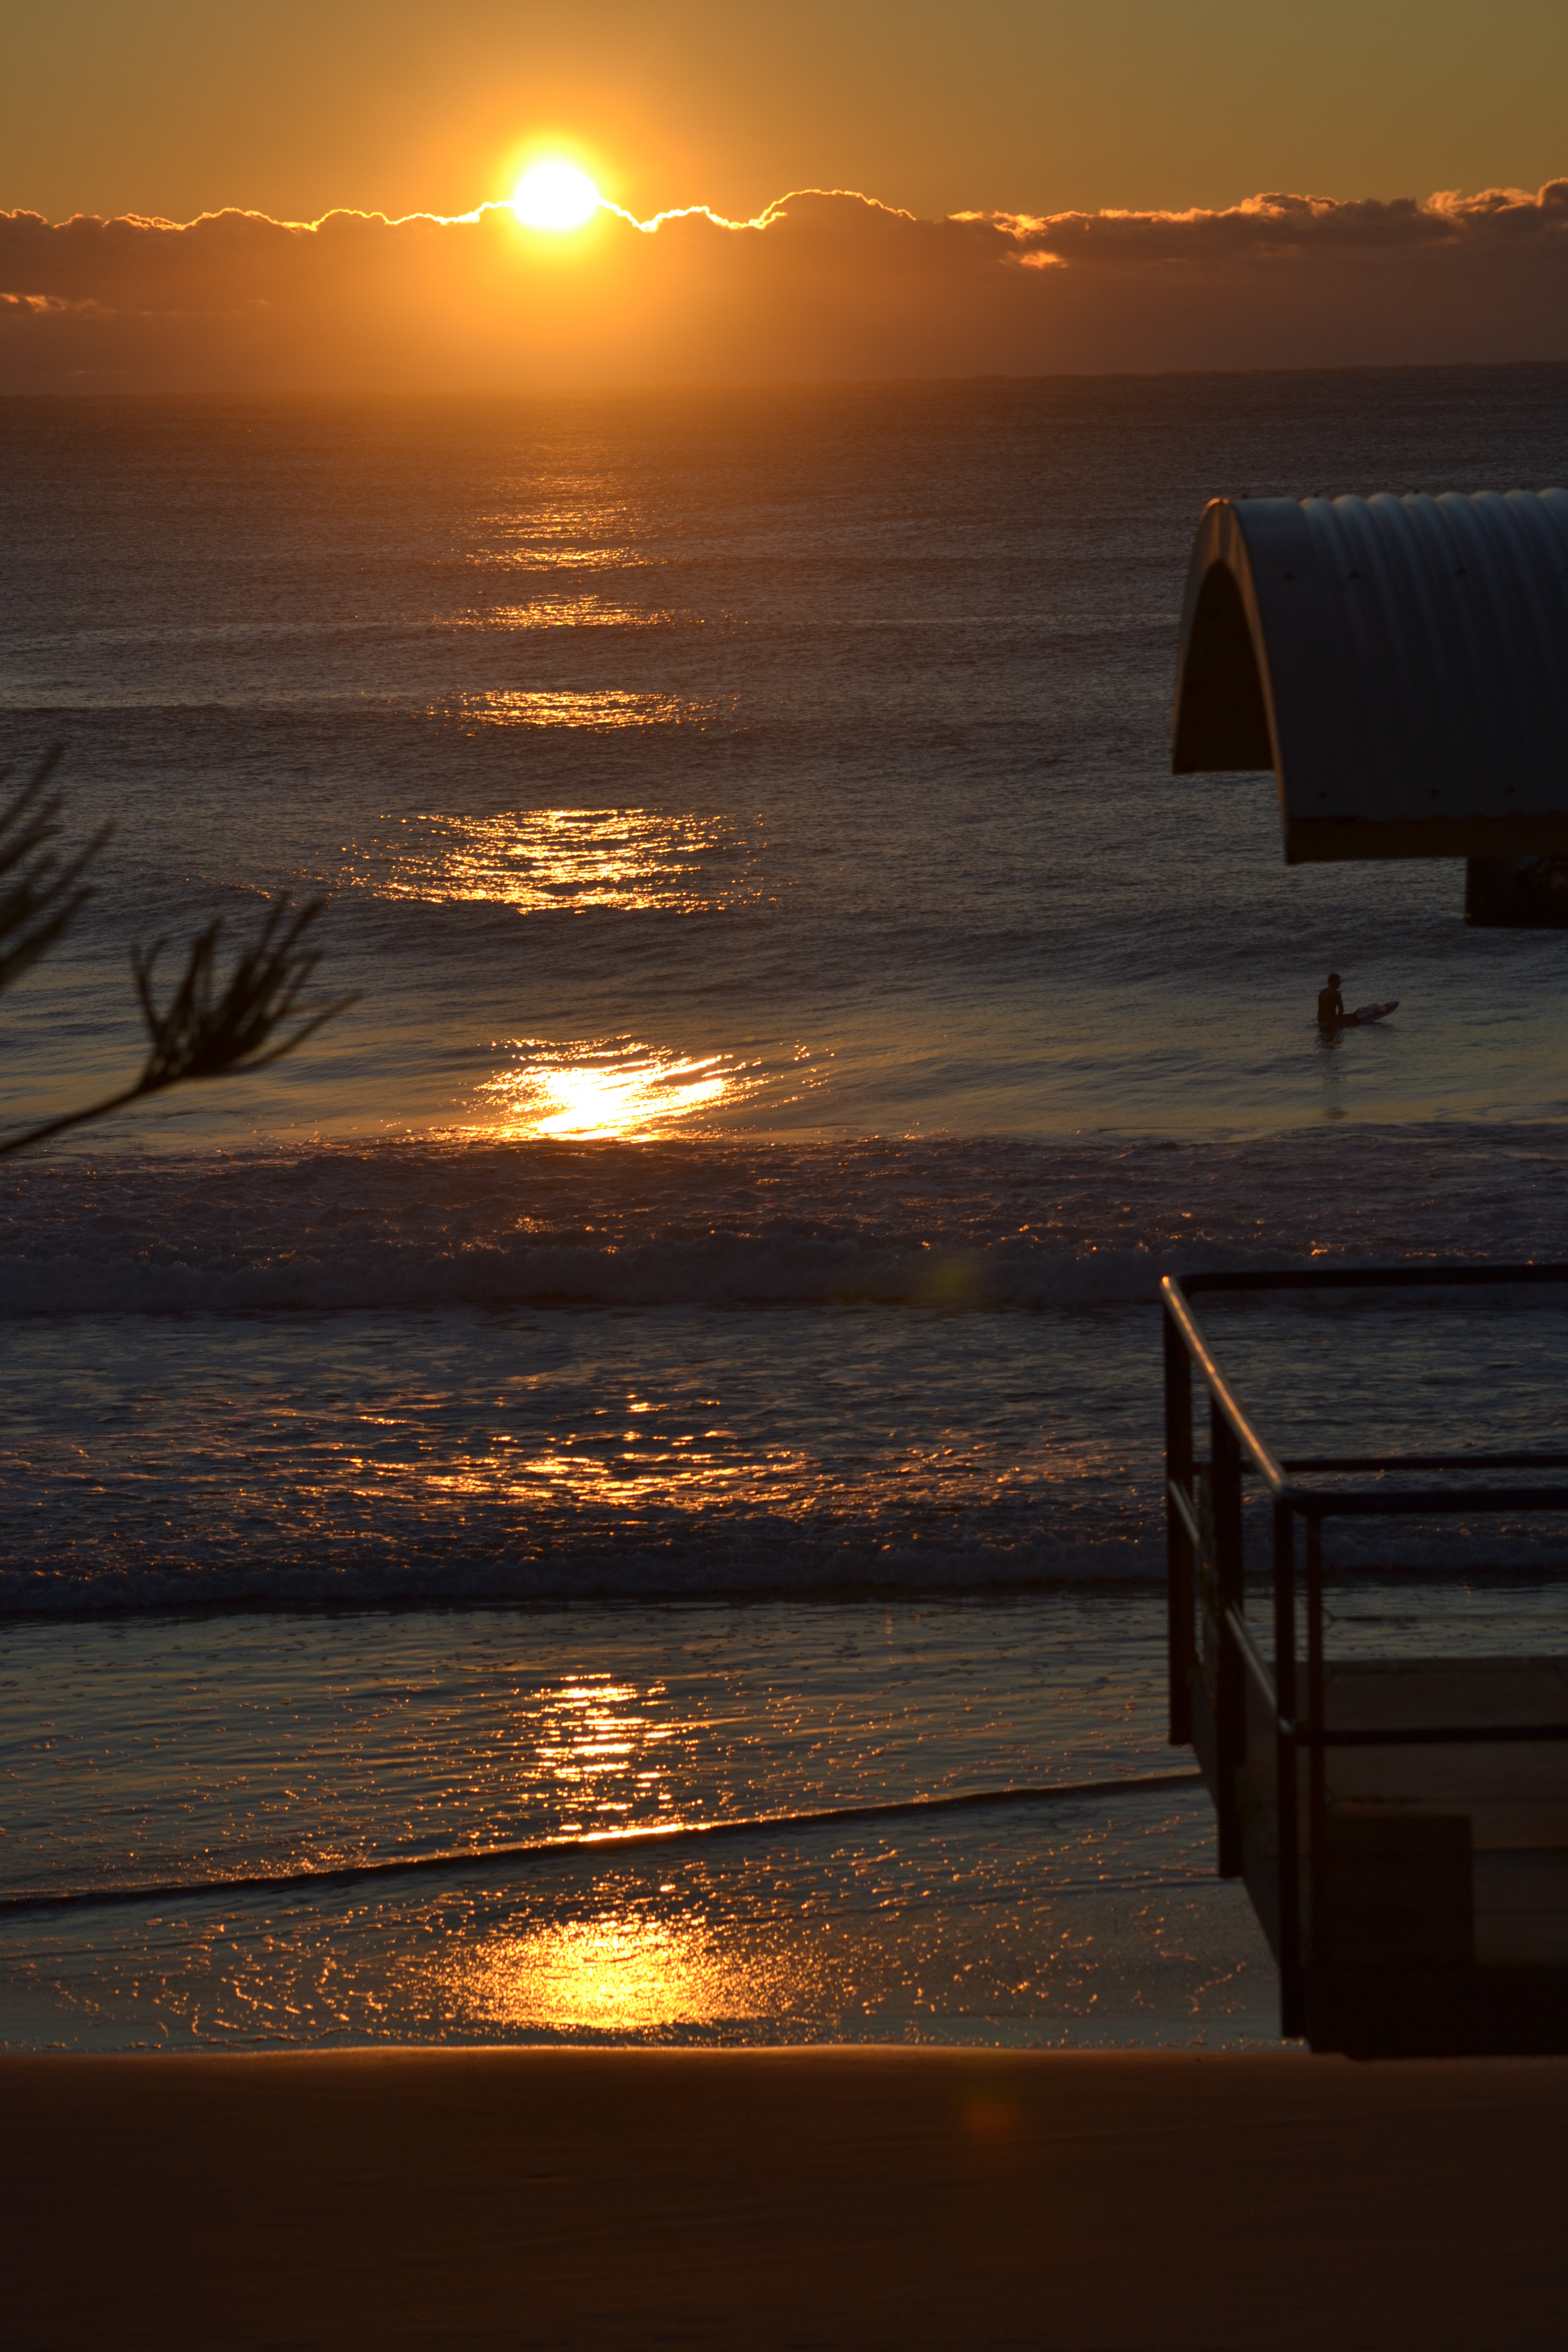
1273,226
827,283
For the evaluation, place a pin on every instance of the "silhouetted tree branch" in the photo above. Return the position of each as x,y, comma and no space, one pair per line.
212,1027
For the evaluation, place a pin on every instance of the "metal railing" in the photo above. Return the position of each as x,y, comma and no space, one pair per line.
1204,1564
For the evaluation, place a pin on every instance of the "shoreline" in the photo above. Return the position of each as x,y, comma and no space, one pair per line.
870,2197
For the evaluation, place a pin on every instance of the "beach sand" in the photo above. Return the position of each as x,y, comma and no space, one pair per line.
805,2197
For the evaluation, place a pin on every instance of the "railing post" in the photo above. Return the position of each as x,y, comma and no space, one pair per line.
1292,1978
1230,1683
1180,1647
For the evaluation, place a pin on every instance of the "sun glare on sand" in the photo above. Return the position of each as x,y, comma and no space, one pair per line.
555,195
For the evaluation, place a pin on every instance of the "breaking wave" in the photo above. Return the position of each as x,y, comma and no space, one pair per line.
957,1224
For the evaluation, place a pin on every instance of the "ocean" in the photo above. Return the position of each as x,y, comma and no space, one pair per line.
678,1355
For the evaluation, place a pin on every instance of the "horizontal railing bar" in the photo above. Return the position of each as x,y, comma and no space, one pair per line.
1252,1657
1422,1502
1428,1462
1376,1278
1219,1387
1382,1503
1468,1735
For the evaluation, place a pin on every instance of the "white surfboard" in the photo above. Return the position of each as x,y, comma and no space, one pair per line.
1363,1015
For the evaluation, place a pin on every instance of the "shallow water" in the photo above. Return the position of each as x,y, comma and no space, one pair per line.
234,1743
1088,1932
602,1822
183,1752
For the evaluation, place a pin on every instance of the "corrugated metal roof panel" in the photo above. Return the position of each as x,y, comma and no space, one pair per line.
1401,663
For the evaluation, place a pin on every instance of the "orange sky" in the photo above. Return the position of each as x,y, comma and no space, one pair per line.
1038,113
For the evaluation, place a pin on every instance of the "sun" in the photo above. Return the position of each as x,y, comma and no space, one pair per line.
555,195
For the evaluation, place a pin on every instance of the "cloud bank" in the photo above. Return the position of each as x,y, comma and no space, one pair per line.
827,283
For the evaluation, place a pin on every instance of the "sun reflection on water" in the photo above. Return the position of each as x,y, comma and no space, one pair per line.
642,859
622,1089
603,707
533,556
559,529
619,1973
574,613
600,1745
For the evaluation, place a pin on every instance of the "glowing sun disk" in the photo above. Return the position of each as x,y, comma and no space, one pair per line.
555,195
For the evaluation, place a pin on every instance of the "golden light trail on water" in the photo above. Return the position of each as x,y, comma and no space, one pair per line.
623,1093
619,1973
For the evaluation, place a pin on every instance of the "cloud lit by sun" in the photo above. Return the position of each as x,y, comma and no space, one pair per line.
555,195
547,282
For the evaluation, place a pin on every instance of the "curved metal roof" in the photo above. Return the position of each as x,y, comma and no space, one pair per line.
1400,663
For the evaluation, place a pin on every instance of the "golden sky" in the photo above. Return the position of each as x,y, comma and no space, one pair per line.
290,198
178,107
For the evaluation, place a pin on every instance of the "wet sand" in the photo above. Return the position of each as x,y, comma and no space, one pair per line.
873,2198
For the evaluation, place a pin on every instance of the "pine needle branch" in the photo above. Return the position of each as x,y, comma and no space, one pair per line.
207,1031
212,1027
44,892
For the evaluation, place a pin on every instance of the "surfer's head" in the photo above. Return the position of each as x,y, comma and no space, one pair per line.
1333,980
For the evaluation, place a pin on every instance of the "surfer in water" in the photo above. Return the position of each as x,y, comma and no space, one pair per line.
1332,1013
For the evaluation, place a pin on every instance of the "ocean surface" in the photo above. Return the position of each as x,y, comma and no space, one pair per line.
678,1352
